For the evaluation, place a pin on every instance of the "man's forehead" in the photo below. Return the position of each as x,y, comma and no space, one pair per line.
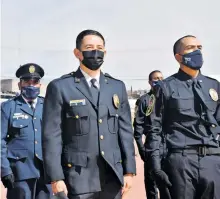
157,74
190,41
92,39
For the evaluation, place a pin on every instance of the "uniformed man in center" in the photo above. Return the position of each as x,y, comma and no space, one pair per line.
87,131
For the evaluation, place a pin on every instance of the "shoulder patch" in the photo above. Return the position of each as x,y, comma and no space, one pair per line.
150,106
67,75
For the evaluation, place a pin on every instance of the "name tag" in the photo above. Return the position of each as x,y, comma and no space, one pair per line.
20,115
80,102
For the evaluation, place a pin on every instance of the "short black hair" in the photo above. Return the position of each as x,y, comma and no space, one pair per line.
177,45
85,33
151,74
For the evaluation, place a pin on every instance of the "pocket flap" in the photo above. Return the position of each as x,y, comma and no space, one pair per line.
113,112
76,158
181,103
77,112
20,123
17,154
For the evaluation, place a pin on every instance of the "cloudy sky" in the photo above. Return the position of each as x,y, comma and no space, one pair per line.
139,34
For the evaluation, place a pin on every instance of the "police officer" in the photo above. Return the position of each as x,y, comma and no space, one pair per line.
187,108
142,123
87,132
21,151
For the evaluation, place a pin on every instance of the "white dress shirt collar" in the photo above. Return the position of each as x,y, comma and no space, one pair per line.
34,102
88,78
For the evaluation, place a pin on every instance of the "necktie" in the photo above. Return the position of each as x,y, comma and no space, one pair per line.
94,91
199,98
32,105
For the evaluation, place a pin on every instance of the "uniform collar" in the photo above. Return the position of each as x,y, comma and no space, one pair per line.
88,78
189,79
34,101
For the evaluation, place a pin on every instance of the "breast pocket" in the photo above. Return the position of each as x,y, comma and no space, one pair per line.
20,127
78,122
182,104
113,120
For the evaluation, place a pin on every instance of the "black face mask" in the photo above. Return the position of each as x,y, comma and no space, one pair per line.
93,59
193,60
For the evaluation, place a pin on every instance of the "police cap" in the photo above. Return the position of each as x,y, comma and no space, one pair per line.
30,71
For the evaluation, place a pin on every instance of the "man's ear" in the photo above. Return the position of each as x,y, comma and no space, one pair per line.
77,53
19,85
178,58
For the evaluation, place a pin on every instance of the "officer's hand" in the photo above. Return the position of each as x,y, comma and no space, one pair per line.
161,178
8,181
59,186
128,178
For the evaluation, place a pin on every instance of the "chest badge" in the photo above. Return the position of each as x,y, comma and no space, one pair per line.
116,101
150,106
213,94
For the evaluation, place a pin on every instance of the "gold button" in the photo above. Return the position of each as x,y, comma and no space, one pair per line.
103,153
100,121
69,165
213,125
35,118
35,129
101,137
8,136
36,154
77,116
35,142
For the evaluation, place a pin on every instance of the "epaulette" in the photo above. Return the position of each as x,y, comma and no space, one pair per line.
211,78
107,75
67,75
9,100
169,78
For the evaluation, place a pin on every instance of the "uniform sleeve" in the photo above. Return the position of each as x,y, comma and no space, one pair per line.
5,118
139,124
126,138
217,113
52,133
155,132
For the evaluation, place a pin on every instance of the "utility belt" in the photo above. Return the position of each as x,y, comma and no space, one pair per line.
196,150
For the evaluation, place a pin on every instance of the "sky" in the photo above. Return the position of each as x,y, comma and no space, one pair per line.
139,35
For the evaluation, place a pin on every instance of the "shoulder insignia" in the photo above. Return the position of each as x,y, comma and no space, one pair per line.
211,78
107,75
151,104
67,75
135,110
